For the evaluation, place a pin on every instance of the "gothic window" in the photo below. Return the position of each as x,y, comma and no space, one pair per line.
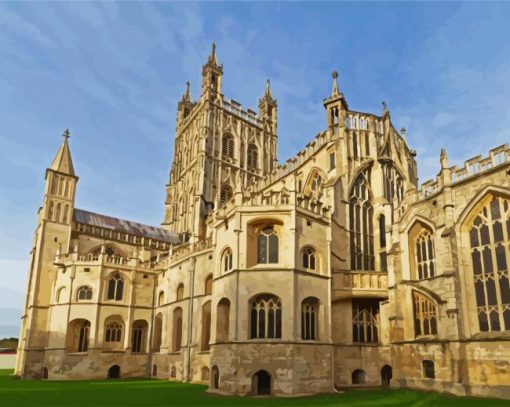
355,145
78,336
113,331
361,225
54,185
84,293
57,212
50,210
177,330
382,243
267,246
225,194
161,298
158,332
393,184
253,157
227,260
332,161
138,336
115,287
365,320
428,369
316,183
180,291
266,317
358,376
309,318
60,295
66,213
309,258
425,315
206,325
227,146
489,235
208,285
223,320
425,255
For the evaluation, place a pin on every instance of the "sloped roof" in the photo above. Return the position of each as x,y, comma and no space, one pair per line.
62,161
125,226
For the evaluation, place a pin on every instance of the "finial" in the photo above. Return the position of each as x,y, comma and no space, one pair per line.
403,132
66,134
385,108
443,159
186,93
335,91
212,57
268,89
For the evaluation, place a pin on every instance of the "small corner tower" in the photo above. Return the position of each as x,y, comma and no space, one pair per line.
212,74
335,105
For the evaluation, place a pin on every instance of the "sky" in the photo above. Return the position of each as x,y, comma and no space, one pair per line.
113,73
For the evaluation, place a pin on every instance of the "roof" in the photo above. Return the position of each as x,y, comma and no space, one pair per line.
125,226
62,161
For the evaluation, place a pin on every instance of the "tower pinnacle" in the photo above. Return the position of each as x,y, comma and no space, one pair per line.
334,91
62,161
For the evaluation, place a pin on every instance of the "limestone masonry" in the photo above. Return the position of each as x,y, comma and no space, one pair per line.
332,270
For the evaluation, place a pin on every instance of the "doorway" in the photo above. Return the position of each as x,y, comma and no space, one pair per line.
261,383
114,372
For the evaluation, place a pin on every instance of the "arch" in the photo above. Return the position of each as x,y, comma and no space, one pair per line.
223,320
227,146
365,321
60,296
110,249
113,372
386,375
206,326
208,284
478,201
309,258
154,370
180,292
44,373
361,227
265,317
177,330
215,377
253,157
315,181
158,332
205,374
425,314
226,260
84,293
226,194
115,287
161,298
65,213
139,336
428,369
77,338
358,376
422,257
310,318
267,245
393,182
261,383
173,372
113,331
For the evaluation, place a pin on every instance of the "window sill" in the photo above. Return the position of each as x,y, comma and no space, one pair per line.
77,353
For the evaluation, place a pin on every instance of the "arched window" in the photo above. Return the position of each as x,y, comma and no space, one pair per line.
425,315
173,372
177,330
358,376
115,287
113,331
267,246
489,234
382,243
54,185
309,258
227,260
215,377
266,317
66,212
428,369
253,157
227,146
138,336
61,293
393,184
208,285
222,320
364,320
425,255
158,332
309,318
316,182
180,292
57,213
205,374
225,194
77,339
361,227
206,325
84,293
161,298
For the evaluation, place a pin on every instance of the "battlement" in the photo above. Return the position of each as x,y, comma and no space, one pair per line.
247,114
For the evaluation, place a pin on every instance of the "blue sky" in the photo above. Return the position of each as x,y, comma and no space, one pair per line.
113,73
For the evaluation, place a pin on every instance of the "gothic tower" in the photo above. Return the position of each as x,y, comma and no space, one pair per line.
52,235
219,147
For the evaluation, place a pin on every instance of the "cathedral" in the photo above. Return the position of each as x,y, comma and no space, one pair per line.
332,270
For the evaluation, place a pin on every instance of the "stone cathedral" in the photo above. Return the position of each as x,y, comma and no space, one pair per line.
332,270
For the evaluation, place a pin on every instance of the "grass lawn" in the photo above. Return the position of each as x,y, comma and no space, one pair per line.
146,392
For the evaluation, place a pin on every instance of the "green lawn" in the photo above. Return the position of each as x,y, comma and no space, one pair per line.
145,392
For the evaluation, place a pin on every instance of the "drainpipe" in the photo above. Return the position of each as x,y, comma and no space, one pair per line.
190,318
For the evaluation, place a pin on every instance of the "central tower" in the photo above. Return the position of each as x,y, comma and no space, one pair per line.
219,147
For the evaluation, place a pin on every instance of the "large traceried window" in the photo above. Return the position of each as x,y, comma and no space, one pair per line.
309,318
84,293
316,183
393,184
365,314
425,255
267,246
266,317
177,330
113,331
253,157
361,225
115,287
227,146
489,236
425,315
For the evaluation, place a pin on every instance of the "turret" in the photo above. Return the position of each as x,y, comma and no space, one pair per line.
268,110
212,74
335,105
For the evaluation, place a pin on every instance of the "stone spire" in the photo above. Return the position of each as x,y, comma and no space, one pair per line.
443,159
267,93
63,162
334,91
186,97
212,58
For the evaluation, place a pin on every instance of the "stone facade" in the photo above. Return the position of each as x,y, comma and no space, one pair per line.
332,270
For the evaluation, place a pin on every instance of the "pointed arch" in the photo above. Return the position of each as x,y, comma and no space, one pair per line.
425,314
314,181
422,256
